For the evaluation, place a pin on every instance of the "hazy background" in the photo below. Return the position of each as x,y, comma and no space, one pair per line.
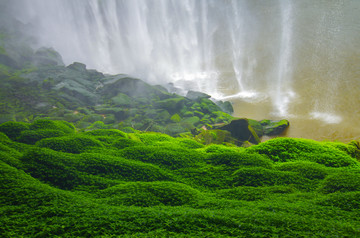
293,59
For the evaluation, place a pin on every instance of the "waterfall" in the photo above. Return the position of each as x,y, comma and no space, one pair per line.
297,59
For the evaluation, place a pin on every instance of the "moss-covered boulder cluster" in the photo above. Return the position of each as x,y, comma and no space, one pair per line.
36,84
57,180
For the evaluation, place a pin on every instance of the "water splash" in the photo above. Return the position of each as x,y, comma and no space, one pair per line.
297,58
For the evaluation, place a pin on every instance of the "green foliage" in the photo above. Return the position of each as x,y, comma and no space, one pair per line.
151,138
258,176
119,168
348,201
106,132
63,126
172,158
239,159
307,169
146,194
13,129
56,169
189,143
124,142
213,148
70,144
341,182
122,100
175,118
32,136
153,185
253,193
290,149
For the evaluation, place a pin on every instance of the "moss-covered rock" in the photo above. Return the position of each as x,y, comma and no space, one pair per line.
241,130
290,149
271,128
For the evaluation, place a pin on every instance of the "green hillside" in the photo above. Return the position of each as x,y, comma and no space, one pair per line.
57,181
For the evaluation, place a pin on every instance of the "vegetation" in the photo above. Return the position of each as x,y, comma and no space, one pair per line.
57,180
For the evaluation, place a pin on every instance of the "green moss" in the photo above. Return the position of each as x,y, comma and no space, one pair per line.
306,169
290,149
254,193
122,100
57,169
106,132
32,136
213,148
13,129
112,167
175,118
239,159
150,194
172,157
69,144
124,142
150,138
63,126
349,201
341,182
258,176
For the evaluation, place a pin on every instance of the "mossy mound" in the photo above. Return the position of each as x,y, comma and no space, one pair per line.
124,142
238,159
19,188
119,168
254,193
106,132
341,182
33,136
57,169
13,129
258,176
70,144
150,194
171,158
63,126
307,169
349,201
290,149
147,184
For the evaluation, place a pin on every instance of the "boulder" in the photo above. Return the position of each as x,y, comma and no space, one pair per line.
272,128
77,67
47,56
241,130
193,95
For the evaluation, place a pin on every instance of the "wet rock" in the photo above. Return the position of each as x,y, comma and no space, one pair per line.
271,128
241,130
47,56
193,95
77,67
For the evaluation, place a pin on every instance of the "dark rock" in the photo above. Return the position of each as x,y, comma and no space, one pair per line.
225,106
258,128
132,87
77,66
241,130
193,95
271,128
47,56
